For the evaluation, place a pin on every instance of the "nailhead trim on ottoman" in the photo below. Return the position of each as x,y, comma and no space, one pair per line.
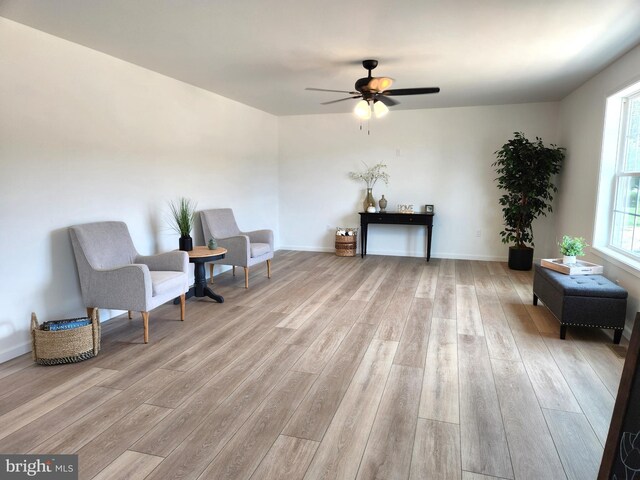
581,300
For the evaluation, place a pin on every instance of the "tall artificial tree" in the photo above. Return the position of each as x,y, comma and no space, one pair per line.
526,172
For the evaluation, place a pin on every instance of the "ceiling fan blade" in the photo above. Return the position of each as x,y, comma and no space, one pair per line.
411,91
340,100
325,90
389,102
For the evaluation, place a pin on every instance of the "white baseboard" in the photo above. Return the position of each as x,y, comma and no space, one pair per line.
307,249
401,253
15,352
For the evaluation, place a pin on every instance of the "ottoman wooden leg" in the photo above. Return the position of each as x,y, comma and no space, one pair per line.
617,336
563,331
535,299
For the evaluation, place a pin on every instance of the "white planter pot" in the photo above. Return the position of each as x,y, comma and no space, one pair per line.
569,259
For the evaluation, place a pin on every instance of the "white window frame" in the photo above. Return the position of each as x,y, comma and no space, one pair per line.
611,169
622,173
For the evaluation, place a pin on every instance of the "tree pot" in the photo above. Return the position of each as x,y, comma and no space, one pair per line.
185,243
520,258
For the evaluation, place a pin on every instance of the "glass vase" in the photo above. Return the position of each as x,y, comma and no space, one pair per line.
368,200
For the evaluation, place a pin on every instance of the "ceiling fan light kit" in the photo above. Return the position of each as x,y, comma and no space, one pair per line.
374,93
380,109
365,107
362,110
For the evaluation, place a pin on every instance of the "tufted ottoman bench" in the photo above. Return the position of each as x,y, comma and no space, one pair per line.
581,300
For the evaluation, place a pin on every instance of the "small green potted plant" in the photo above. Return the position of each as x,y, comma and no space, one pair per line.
526,172
183,216
572,247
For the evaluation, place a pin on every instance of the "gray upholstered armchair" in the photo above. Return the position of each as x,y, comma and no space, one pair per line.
113,275
244,249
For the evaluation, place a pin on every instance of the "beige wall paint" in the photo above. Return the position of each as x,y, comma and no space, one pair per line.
582,122
87,137
436,156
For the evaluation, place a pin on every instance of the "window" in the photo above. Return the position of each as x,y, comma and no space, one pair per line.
617,228
625,227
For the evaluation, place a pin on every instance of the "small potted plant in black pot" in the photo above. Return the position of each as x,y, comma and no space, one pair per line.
525,173
183,213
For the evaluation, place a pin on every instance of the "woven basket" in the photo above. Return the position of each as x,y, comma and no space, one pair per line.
346,245
65,346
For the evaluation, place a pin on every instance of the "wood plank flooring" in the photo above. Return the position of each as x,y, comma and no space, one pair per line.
383,367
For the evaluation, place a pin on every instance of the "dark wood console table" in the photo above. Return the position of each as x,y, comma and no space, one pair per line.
394,218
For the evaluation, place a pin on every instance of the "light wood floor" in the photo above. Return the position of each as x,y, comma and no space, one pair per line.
387,368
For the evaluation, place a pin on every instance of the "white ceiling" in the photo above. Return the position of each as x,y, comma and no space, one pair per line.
265,52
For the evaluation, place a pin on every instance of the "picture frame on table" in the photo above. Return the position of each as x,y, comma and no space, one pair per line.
405,208
429,209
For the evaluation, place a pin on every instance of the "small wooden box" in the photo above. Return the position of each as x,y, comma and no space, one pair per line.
578,268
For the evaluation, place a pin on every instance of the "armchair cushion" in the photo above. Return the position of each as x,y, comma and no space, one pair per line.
163,282
169,261
261,236
105,244
219,223
258,249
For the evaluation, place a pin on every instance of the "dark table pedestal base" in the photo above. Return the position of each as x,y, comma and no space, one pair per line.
206,292
200,288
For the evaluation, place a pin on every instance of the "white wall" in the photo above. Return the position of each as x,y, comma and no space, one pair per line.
86,137
437,156
582,122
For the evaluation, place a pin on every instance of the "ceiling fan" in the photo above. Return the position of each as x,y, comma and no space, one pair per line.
375,93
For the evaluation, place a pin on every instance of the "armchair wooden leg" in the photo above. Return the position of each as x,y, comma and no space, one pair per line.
268,268
211,273
145,323
183,298
246,277
130,314
233,270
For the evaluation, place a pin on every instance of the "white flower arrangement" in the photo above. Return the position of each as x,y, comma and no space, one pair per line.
372,174
346,232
